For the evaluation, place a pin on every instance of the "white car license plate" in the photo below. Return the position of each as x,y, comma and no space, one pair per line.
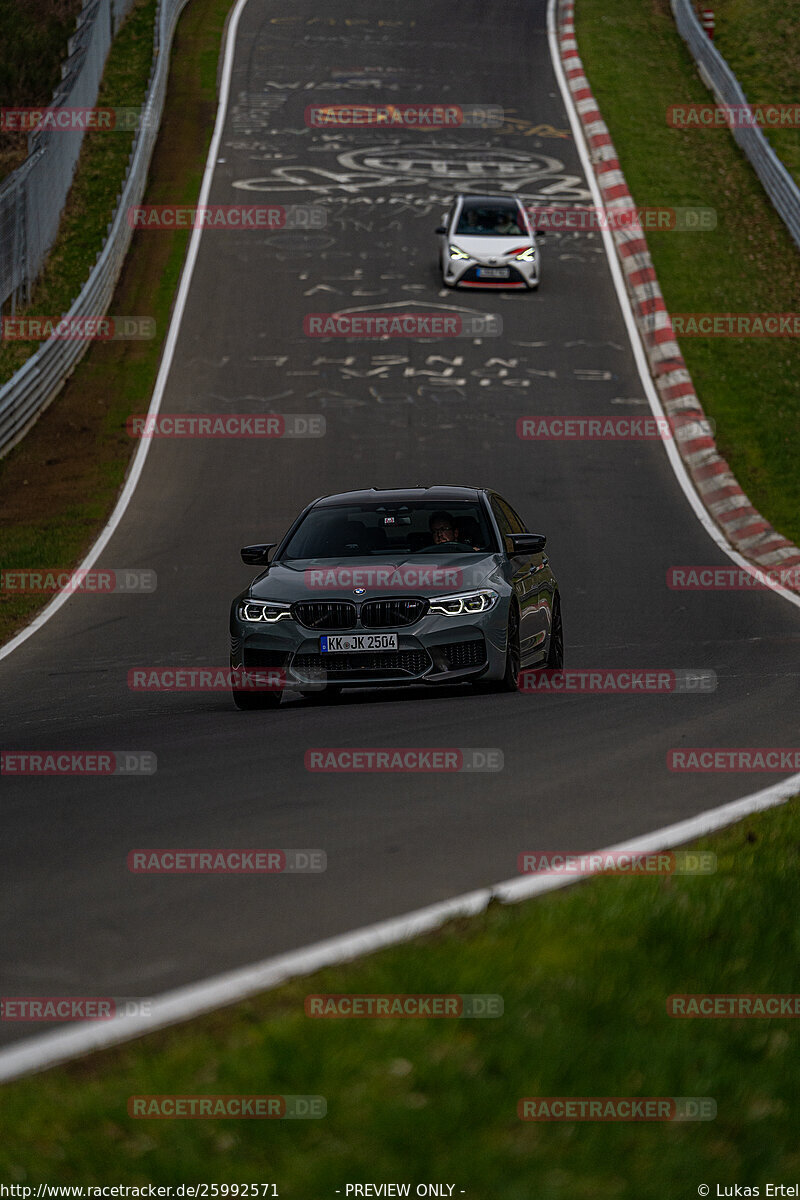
493,272
357,642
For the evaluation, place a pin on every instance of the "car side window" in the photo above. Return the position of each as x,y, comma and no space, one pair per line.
517,524
503,523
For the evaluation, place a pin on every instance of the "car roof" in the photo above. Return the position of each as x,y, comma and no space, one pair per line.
438,494
485,199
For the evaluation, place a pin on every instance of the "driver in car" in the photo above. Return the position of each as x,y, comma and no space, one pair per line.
507,223
444,529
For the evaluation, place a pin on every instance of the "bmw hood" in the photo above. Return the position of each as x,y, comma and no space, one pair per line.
380,577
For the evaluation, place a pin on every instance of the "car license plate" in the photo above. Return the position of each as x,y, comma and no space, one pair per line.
493,272
357,642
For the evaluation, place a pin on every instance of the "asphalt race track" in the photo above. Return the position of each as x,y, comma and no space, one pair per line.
580,772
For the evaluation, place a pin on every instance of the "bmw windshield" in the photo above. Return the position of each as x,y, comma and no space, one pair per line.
356,530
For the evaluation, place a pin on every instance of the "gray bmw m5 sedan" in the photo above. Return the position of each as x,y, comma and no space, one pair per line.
422,585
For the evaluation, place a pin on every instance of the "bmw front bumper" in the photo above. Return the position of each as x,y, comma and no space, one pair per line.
437,649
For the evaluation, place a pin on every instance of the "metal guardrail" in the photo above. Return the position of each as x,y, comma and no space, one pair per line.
718,77
32,197
25,396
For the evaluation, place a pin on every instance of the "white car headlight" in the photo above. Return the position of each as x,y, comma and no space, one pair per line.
461,603
456,253
527,255
270,611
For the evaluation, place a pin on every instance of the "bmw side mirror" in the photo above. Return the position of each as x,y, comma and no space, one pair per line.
442,229
257,556
528,543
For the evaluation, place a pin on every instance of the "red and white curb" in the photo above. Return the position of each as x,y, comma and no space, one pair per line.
728,506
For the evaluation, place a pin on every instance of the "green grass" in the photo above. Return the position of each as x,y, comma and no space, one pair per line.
98,181
59,484
35,35
748,264
60,537
762,47
584,973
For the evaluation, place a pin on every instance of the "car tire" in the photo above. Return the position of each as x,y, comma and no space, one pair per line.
250,701
510,680
555,653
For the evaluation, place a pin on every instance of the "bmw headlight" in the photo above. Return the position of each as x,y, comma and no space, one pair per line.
461,603
456,253
270,611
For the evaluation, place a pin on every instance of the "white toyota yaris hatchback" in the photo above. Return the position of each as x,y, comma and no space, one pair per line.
488,241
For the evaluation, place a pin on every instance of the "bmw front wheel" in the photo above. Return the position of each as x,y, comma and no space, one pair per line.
555,654
510,681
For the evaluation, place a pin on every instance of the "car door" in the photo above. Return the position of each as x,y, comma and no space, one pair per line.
532,581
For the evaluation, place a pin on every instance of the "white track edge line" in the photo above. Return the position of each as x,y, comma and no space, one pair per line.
51,1049
675,460
166,363
165,366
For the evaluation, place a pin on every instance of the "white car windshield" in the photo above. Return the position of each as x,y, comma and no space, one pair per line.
490,221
